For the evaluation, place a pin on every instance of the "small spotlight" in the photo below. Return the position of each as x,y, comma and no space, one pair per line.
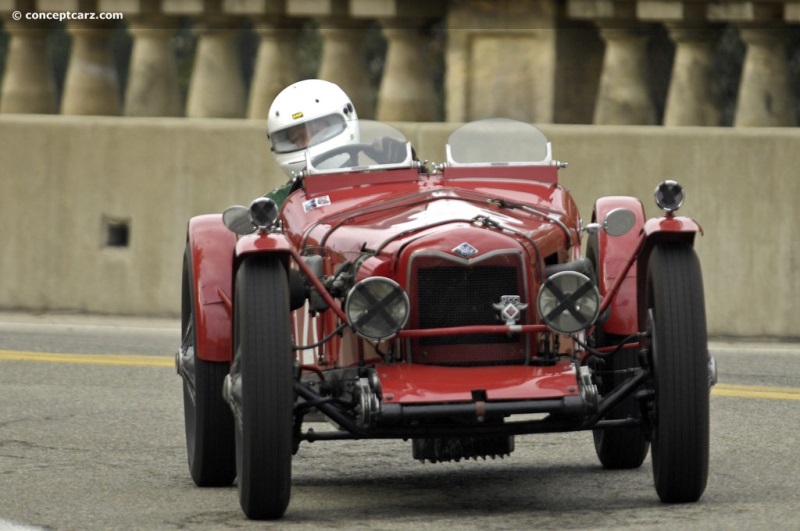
669,196
263,212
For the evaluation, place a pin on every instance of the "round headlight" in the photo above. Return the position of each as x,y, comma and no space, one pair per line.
377,308
669,196
568,302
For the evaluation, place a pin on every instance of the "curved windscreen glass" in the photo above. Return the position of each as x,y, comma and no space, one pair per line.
376,145
497,140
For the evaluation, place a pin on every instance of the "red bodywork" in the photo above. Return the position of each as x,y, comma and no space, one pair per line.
517,218
449,305
417,217
394,211
414,384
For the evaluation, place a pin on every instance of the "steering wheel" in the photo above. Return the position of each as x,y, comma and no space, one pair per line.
349,149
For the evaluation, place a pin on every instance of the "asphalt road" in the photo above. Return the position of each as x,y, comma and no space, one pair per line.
91,437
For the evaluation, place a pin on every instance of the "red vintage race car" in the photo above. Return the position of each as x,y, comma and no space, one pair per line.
447,304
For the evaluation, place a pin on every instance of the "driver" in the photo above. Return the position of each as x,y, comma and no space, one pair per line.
311,116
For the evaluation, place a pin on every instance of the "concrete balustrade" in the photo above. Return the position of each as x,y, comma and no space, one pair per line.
153,76
28,85
276,64
693,97
106,177
765,99
529,59
623,97
500,60
216,88
406,91
91,86
406,88
342,63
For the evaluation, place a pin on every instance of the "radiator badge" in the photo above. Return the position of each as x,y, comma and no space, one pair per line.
465,250
510,308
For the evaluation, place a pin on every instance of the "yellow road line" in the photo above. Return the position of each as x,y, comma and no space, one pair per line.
727,390
90,359
751,391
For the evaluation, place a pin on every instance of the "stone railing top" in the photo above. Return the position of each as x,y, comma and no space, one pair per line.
700,11
300,8
753,11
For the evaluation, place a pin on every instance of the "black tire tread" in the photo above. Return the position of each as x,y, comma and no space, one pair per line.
262,314
681,435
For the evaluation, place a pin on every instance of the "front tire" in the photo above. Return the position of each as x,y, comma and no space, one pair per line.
619,448
679,361
262,373
208,419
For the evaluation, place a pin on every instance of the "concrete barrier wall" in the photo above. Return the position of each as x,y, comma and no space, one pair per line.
93,210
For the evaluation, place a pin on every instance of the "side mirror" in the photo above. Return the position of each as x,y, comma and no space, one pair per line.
237,219
619,221
616,223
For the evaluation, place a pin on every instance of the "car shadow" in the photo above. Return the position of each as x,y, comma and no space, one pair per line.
383,485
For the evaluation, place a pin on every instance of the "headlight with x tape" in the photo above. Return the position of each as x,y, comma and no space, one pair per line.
568,302
377,308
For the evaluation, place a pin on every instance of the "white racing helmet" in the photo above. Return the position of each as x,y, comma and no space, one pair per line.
311,116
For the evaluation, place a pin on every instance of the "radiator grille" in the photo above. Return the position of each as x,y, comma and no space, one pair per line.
462,296
447,292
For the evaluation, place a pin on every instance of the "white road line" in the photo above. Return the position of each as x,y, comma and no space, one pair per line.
5,525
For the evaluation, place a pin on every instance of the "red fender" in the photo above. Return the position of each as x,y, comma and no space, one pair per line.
672,228
660,230
212,250
263,243
614,253
266,244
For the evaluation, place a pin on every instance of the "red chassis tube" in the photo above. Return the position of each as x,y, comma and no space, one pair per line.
474,329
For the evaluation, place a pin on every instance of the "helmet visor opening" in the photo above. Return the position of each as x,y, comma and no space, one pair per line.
307,134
